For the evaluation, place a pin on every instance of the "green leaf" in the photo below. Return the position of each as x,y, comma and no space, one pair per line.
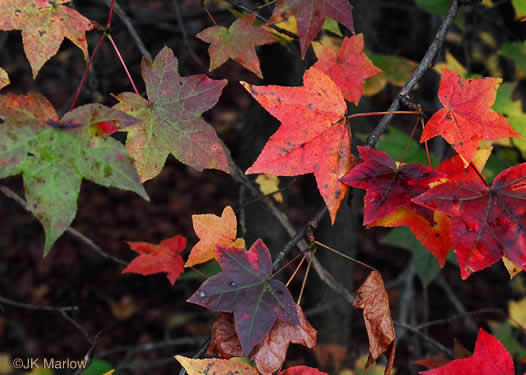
209,269
504,333
395,143
171,121
511,108
332,26
427,266
98,367
54,156
516,51
520,8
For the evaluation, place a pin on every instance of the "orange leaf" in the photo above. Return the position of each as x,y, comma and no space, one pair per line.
313,136
44,26
164,257
213,231
349,67
467,117
373,299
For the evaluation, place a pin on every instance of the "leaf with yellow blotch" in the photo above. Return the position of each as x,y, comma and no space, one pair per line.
44,26
4,79
215,366
170,119
373,299
268,183
213,231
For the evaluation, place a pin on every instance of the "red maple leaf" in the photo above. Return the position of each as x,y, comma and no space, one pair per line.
349,67
245,288
490,358
389,187
313,136
311,16
165,257
302,370
467,117
237,42
487,222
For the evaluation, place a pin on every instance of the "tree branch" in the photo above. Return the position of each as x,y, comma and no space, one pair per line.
417,74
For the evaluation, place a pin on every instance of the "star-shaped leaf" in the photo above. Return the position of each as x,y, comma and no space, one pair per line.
246,289
165,257
490,357
487,222
311,15
55,155
348,67
313,137
213,231
44,26
467,117
237,42
171,121
270,354
389,187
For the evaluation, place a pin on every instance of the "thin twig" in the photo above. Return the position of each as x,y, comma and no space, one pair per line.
28,306
417,74
427,338
11,194
455,301
127,22
153,346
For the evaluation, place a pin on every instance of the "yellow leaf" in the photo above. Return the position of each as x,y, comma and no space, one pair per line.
452,64
517,310
512,268
268,184
215,366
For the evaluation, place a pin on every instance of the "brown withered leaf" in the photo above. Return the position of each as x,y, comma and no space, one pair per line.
270,354
373,299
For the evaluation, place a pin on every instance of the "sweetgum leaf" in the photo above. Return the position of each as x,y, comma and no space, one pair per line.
171,121
348,67
313,137
389,187
165,257
302,370
213,231
237,42
270,354
490,357
44,26
54,159
487,222
246,289
467,117
311,16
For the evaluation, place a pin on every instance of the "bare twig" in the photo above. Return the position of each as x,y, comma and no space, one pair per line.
28,306
427,338
455,301
11,194
406,297
127,22
417,74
